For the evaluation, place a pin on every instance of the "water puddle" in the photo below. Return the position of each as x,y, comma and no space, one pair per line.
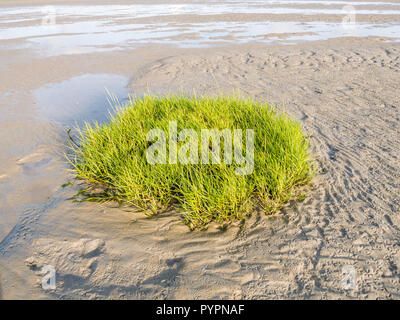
77,29
205,8
199,35
79,99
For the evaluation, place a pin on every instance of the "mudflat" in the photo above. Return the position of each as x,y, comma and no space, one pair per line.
341,81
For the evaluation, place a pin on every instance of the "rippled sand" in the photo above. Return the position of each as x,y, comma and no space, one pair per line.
340,80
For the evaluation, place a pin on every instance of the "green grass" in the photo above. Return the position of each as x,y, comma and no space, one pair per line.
113,156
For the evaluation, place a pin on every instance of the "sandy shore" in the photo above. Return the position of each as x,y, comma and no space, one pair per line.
345,91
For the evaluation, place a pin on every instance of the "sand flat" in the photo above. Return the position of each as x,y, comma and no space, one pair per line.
342,84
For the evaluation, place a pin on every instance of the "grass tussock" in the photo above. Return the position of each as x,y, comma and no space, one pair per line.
113,156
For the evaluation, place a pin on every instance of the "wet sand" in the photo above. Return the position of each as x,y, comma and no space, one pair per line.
342,84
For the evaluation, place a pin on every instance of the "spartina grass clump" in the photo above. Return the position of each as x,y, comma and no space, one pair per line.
213,159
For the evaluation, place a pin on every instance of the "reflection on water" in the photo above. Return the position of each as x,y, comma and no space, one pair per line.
204,8
69,39
93,28
82,98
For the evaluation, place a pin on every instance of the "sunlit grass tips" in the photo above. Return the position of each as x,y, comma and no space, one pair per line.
212,159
